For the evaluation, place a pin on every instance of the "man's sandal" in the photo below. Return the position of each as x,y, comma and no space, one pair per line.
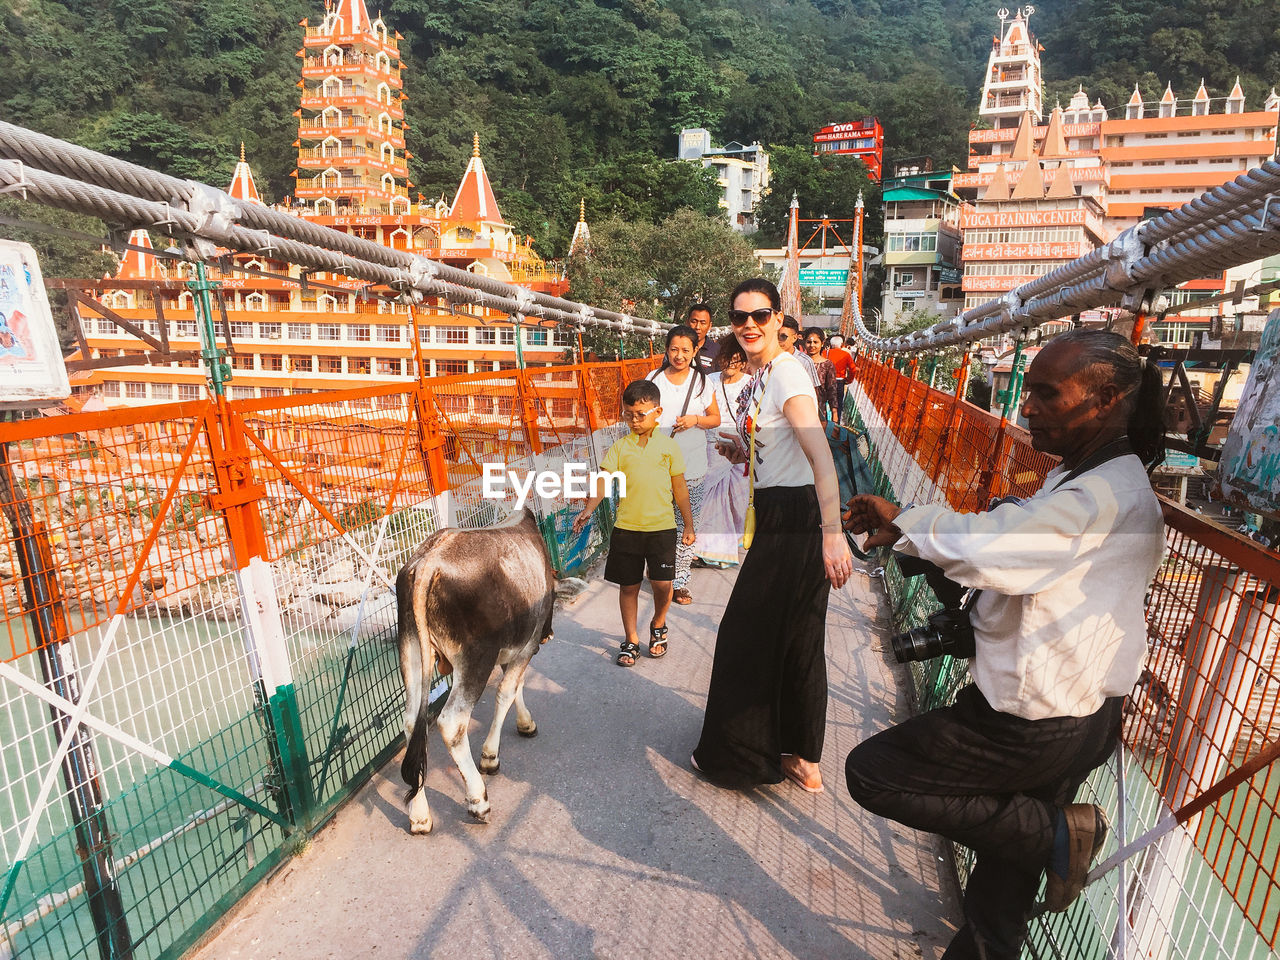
628,653
657,641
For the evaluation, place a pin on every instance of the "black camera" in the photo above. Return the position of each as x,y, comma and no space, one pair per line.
949,631
945,632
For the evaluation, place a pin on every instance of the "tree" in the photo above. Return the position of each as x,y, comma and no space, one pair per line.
662,269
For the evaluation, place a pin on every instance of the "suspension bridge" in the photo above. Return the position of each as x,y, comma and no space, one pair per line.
199,677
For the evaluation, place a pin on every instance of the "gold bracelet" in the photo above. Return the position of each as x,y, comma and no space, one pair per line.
831,526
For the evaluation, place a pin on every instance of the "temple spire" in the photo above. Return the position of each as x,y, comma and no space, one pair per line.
581,242
474,202
242,185
998,188
1030,185
139,264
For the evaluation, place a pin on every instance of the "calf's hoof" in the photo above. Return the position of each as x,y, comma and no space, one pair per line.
529,731
489,764
479,809
420,815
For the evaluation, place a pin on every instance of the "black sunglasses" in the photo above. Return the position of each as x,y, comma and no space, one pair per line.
761,316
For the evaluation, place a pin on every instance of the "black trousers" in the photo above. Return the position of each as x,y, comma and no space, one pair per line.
993,782
768,691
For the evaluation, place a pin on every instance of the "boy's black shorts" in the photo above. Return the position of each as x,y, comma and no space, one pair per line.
630,550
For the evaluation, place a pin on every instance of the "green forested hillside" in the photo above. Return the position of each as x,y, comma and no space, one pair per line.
584,97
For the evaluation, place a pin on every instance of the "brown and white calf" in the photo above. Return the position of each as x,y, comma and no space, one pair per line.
472,598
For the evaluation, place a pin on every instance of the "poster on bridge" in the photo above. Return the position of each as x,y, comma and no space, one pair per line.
32,372
1249,469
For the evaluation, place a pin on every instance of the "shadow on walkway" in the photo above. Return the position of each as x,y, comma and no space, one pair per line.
603,843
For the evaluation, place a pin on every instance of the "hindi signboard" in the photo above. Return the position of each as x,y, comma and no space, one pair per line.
824,278
31,368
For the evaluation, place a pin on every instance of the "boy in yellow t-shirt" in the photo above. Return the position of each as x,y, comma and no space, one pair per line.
645,532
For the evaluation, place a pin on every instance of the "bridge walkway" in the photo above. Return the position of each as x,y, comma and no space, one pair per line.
603,843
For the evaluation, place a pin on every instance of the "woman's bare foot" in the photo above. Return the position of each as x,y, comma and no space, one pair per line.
807,776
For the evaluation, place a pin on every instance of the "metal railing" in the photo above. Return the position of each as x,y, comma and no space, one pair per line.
1190,870
197,662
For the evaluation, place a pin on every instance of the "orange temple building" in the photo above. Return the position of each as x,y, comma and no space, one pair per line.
1043,191
325,331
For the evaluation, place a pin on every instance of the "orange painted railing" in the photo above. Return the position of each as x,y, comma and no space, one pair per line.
153,504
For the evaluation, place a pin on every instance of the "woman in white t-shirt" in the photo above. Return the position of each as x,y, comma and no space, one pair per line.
724,492
767,702
689,410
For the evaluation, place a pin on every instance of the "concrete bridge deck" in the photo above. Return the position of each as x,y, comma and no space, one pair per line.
603,843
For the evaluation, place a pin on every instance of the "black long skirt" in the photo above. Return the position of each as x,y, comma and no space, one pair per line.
768,693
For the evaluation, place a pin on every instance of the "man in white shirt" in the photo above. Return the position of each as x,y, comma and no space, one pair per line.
1059,641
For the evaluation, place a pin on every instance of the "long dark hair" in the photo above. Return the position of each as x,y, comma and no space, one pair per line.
1138,380
681,330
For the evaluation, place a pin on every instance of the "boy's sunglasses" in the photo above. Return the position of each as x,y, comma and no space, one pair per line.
761,316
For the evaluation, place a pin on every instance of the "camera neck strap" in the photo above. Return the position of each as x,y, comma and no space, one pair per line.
1105,453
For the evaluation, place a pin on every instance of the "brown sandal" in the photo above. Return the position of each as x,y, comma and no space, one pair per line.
682,596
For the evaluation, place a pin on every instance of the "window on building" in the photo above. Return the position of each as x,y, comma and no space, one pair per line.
389,332
111,388
359,366
535,337
269,331
273,391
507,335
190,391
389,366
486,335
564,338
506,364
186,328
329,331
446,368
241,330
241,393
330,364
271,361
242,361
299,331
134,390
302,364
358,332
451,334
162,391
903,279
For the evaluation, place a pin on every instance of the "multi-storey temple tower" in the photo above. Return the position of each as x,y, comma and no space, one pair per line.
1013,84
326,333
351,152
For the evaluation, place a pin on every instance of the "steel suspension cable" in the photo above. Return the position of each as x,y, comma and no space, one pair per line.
127,195
1226,226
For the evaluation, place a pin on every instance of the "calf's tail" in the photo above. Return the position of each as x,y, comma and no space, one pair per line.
414,767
